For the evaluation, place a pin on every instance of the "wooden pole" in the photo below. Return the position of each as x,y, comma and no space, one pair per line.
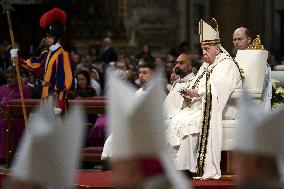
17,66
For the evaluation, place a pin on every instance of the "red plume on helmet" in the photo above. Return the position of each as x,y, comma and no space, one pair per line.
55,15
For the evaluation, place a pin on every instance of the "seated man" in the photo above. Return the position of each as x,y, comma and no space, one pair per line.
174,100
9,92
195,132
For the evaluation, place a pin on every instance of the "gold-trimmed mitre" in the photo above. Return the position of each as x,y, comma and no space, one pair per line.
209,33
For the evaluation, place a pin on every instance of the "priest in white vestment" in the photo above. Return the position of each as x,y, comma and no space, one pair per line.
173,102
195,132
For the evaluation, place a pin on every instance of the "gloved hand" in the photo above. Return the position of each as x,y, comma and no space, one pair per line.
57,111
59,106
14,53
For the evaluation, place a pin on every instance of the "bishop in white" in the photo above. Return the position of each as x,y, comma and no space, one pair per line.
195,133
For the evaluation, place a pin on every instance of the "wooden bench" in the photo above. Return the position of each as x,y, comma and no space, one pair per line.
91,106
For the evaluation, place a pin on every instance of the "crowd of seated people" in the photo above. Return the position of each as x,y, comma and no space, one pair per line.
89,72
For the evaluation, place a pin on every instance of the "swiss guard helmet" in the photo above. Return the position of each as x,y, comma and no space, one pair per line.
53,22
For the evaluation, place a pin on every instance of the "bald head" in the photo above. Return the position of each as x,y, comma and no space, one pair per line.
241,38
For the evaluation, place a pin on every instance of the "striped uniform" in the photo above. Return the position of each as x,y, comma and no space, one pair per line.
54,69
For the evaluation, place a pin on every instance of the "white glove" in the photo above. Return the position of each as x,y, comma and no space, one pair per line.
57,110
14,53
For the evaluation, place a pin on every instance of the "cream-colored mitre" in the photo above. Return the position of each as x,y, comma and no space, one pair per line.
209,34
137,124
135,121
48,155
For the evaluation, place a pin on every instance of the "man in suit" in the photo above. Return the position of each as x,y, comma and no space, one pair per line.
108,53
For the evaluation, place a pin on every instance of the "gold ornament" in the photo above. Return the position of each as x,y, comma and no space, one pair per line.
256,44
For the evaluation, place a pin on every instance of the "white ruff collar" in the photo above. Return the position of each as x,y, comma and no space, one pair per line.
54,47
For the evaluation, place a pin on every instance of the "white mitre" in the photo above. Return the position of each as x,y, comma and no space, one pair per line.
137,124
209,34
48,155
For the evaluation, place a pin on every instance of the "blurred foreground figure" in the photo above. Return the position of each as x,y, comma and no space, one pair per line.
259,144
140,158
147,72
48,154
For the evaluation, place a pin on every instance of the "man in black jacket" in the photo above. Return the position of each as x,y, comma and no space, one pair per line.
108,53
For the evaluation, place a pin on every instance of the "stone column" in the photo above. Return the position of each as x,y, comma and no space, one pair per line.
199,9
278,5
183,24
268,22
229,15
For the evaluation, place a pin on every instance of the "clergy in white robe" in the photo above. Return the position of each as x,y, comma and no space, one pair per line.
195,133
174,100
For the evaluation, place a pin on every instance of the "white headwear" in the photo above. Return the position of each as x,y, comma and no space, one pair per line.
258,131
48,154
209,34
137,127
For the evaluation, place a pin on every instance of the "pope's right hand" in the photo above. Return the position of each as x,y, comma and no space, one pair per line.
14,53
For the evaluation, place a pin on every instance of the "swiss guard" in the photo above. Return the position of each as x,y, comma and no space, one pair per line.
52,63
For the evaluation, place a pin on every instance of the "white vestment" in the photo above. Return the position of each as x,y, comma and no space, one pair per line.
267,89
173,101
197,129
